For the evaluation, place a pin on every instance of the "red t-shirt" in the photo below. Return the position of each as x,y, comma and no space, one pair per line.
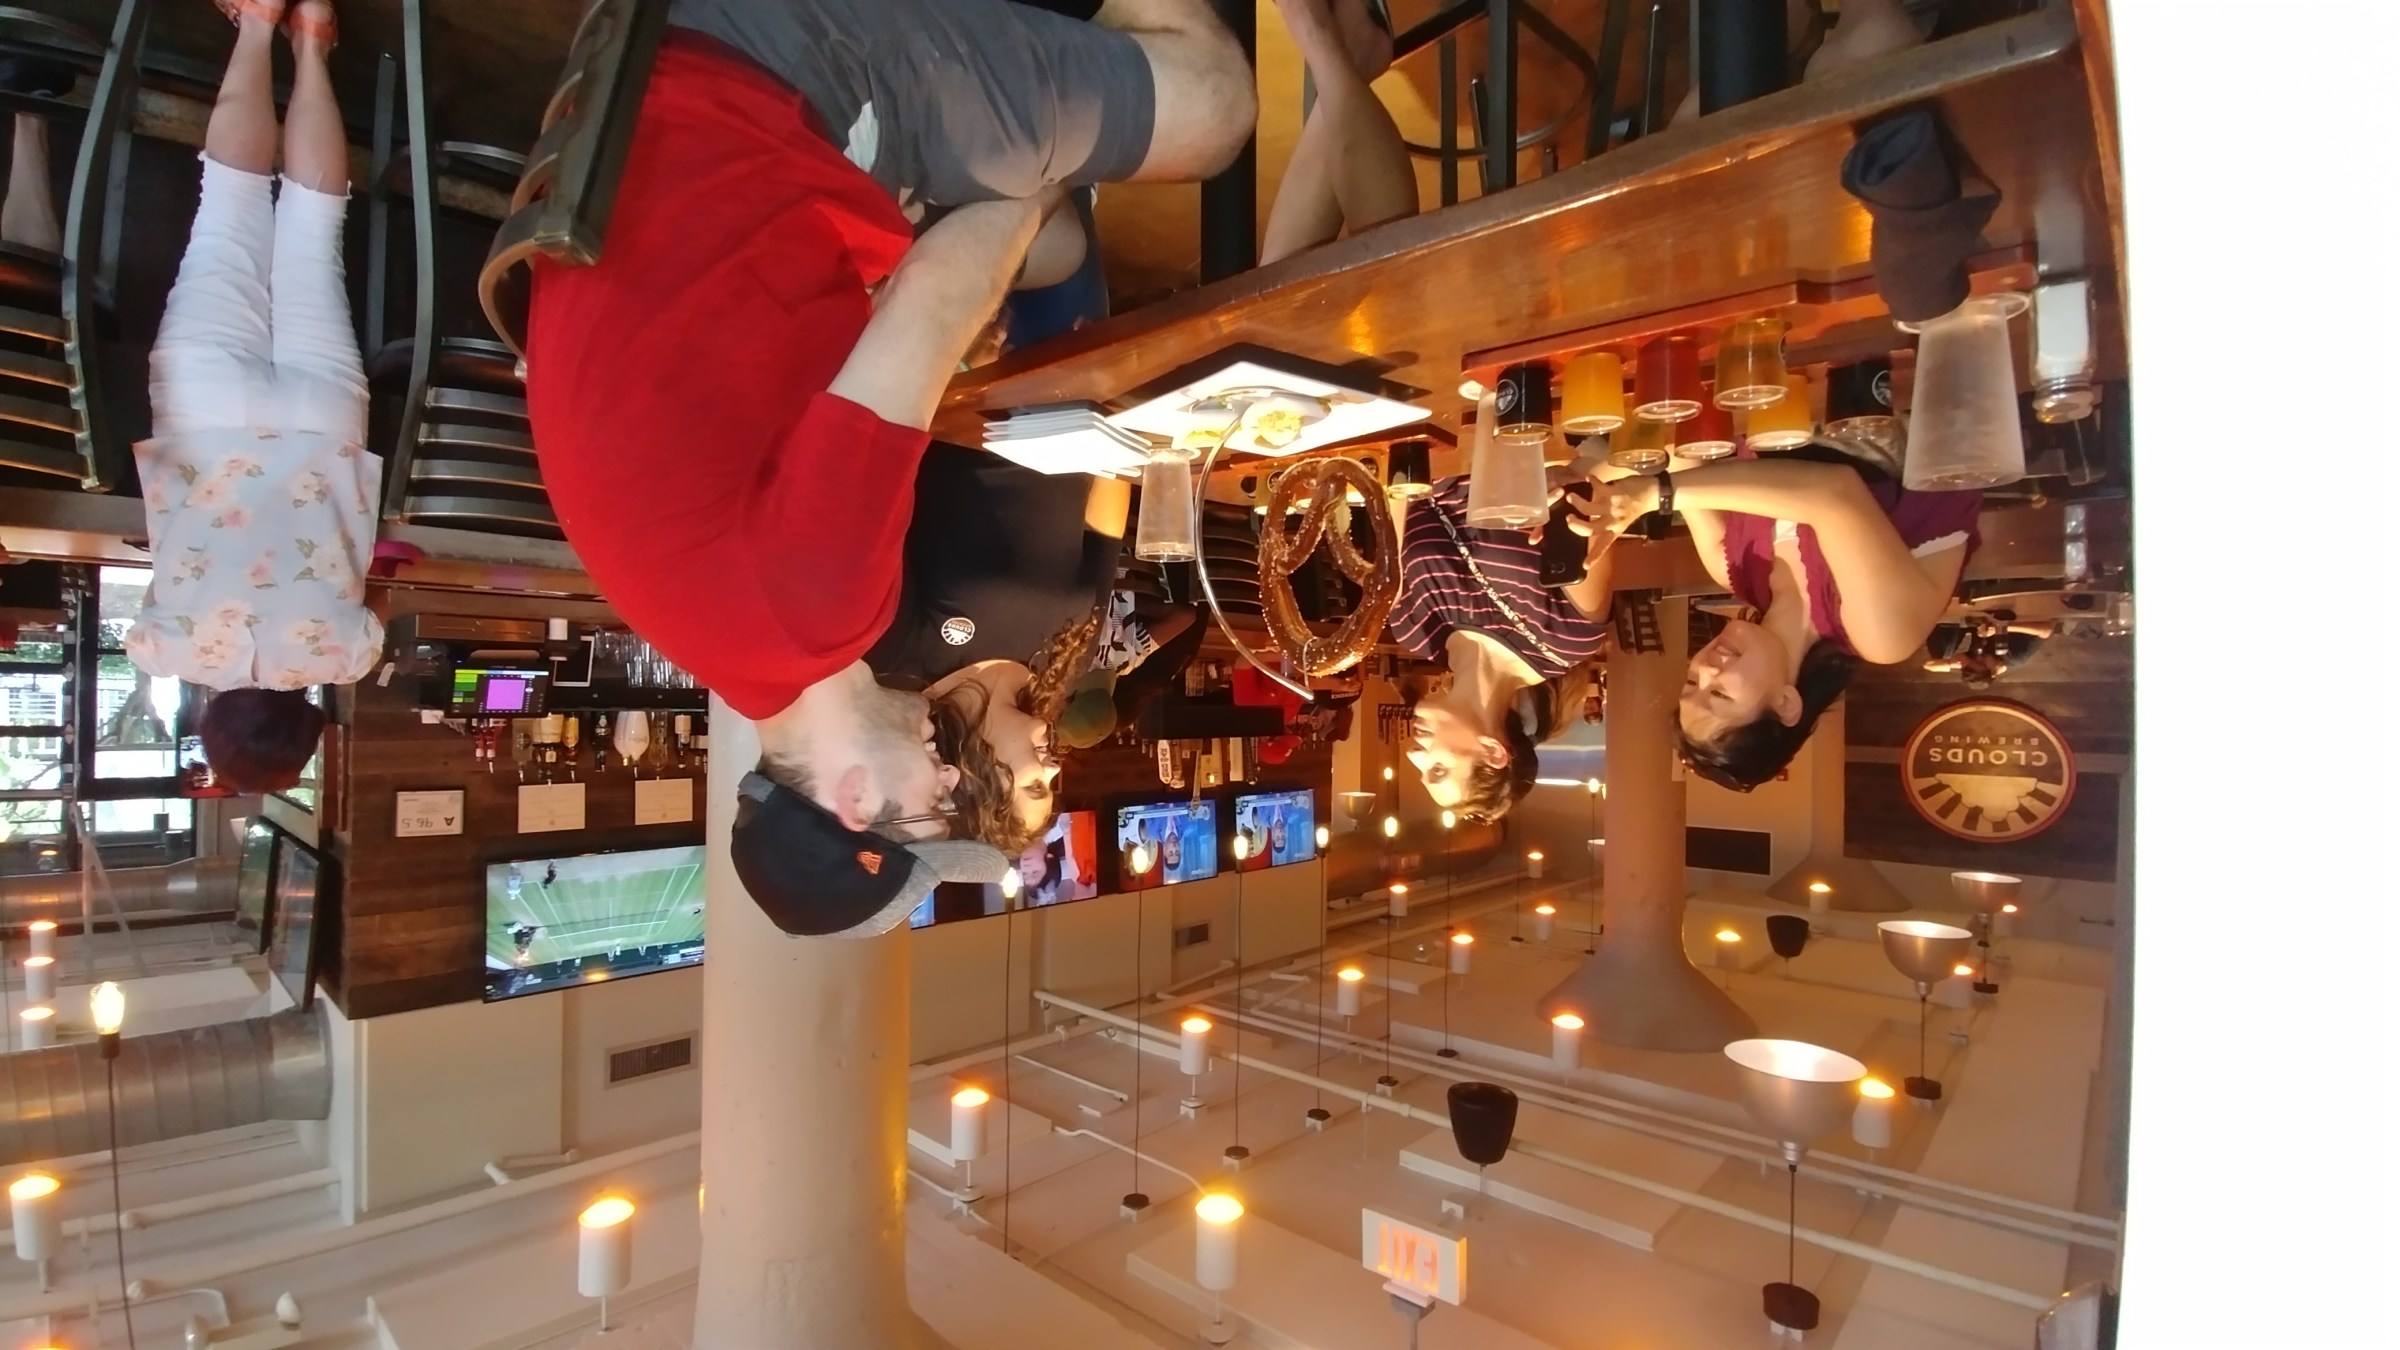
743,520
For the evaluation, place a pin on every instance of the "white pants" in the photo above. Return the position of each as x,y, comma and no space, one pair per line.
256,333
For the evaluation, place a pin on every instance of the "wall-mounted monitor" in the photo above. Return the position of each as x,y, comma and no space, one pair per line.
1281,827
551,923
495,691
1177,841
292,951
254,884
1064,864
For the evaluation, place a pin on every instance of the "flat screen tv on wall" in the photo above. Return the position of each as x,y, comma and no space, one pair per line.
552,923
1177,841
1281,827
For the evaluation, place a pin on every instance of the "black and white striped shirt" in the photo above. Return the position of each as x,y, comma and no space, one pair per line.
1440,593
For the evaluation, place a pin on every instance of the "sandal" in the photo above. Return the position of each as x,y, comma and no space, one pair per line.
270,10
298,23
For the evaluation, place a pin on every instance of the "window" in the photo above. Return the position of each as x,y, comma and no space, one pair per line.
137,713
79,724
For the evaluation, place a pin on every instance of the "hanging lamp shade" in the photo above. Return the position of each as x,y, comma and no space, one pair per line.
1483,1120
1787,934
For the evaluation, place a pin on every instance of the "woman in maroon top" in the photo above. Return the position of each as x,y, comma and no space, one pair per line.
1838,570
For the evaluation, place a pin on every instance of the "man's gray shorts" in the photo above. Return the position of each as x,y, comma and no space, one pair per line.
952,101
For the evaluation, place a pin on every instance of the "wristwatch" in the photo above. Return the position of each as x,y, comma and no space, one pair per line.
1661,517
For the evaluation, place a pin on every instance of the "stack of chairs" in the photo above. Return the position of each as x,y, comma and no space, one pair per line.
448,397
56,427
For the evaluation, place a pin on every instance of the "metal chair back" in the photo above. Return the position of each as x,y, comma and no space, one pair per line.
563,202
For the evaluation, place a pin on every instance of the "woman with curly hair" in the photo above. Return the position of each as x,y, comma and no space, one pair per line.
1000,595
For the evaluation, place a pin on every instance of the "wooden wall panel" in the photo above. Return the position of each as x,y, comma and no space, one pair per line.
2082,684
411,929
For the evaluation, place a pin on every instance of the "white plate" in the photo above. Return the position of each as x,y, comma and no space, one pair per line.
1348,413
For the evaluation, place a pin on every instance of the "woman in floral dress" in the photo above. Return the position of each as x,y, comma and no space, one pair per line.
258,486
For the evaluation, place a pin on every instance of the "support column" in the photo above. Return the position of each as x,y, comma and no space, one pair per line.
803,1115
1639,989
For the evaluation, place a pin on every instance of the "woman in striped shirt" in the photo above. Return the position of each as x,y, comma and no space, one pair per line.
1518,652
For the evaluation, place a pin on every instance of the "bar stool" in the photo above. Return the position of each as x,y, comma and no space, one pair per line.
56,426
460,444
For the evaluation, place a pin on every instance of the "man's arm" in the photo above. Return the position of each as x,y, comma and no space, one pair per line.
945,289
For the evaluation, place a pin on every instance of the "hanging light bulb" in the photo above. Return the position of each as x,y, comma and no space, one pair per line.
1349,981
1543,916
1141,860
1010,884
1241,846
1387,773
1324,838
1592,785
1449,820
1462,952
108,1015
1566,1040
1398,905
1533,864
1391,827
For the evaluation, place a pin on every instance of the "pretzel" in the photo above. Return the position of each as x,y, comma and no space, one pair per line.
1282,547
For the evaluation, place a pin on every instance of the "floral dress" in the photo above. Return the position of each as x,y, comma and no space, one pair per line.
259,547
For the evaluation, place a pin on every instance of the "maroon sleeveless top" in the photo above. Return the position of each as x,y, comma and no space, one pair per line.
1918,517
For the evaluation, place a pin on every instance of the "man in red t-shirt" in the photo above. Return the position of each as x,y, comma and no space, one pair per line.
729,407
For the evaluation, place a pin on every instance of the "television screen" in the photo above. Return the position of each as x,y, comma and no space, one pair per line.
1178,841
254,884
1063,865
553,922
1281,827
291,955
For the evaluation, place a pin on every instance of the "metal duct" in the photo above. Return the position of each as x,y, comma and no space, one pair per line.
195,886
54,1102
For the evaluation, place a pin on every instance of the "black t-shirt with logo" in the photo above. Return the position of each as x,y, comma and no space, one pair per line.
997,560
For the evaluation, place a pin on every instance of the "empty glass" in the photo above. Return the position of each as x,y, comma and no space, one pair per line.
1506,489
1168,527
1642,445
1858,411
1785,424
1963,430
1412,469
1750,364
1666,379
1524,400
1595,394
1708,436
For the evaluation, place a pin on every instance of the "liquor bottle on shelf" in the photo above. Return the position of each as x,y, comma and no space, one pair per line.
572,745
600,735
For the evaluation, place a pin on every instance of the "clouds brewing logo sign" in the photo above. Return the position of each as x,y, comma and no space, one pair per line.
1988,771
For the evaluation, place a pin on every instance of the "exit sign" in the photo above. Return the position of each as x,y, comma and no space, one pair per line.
1424,1261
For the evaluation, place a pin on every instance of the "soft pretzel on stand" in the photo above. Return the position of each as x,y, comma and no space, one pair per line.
1282,547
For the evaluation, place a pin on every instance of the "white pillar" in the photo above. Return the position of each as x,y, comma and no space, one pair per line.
803,1114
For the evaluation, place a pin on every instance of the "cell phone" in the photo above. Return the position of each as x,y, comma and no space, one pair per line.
1563,549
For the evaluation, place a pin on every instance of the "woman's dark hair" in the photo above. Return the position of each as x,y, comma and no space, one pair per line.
1743,757
258,740
1491,793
